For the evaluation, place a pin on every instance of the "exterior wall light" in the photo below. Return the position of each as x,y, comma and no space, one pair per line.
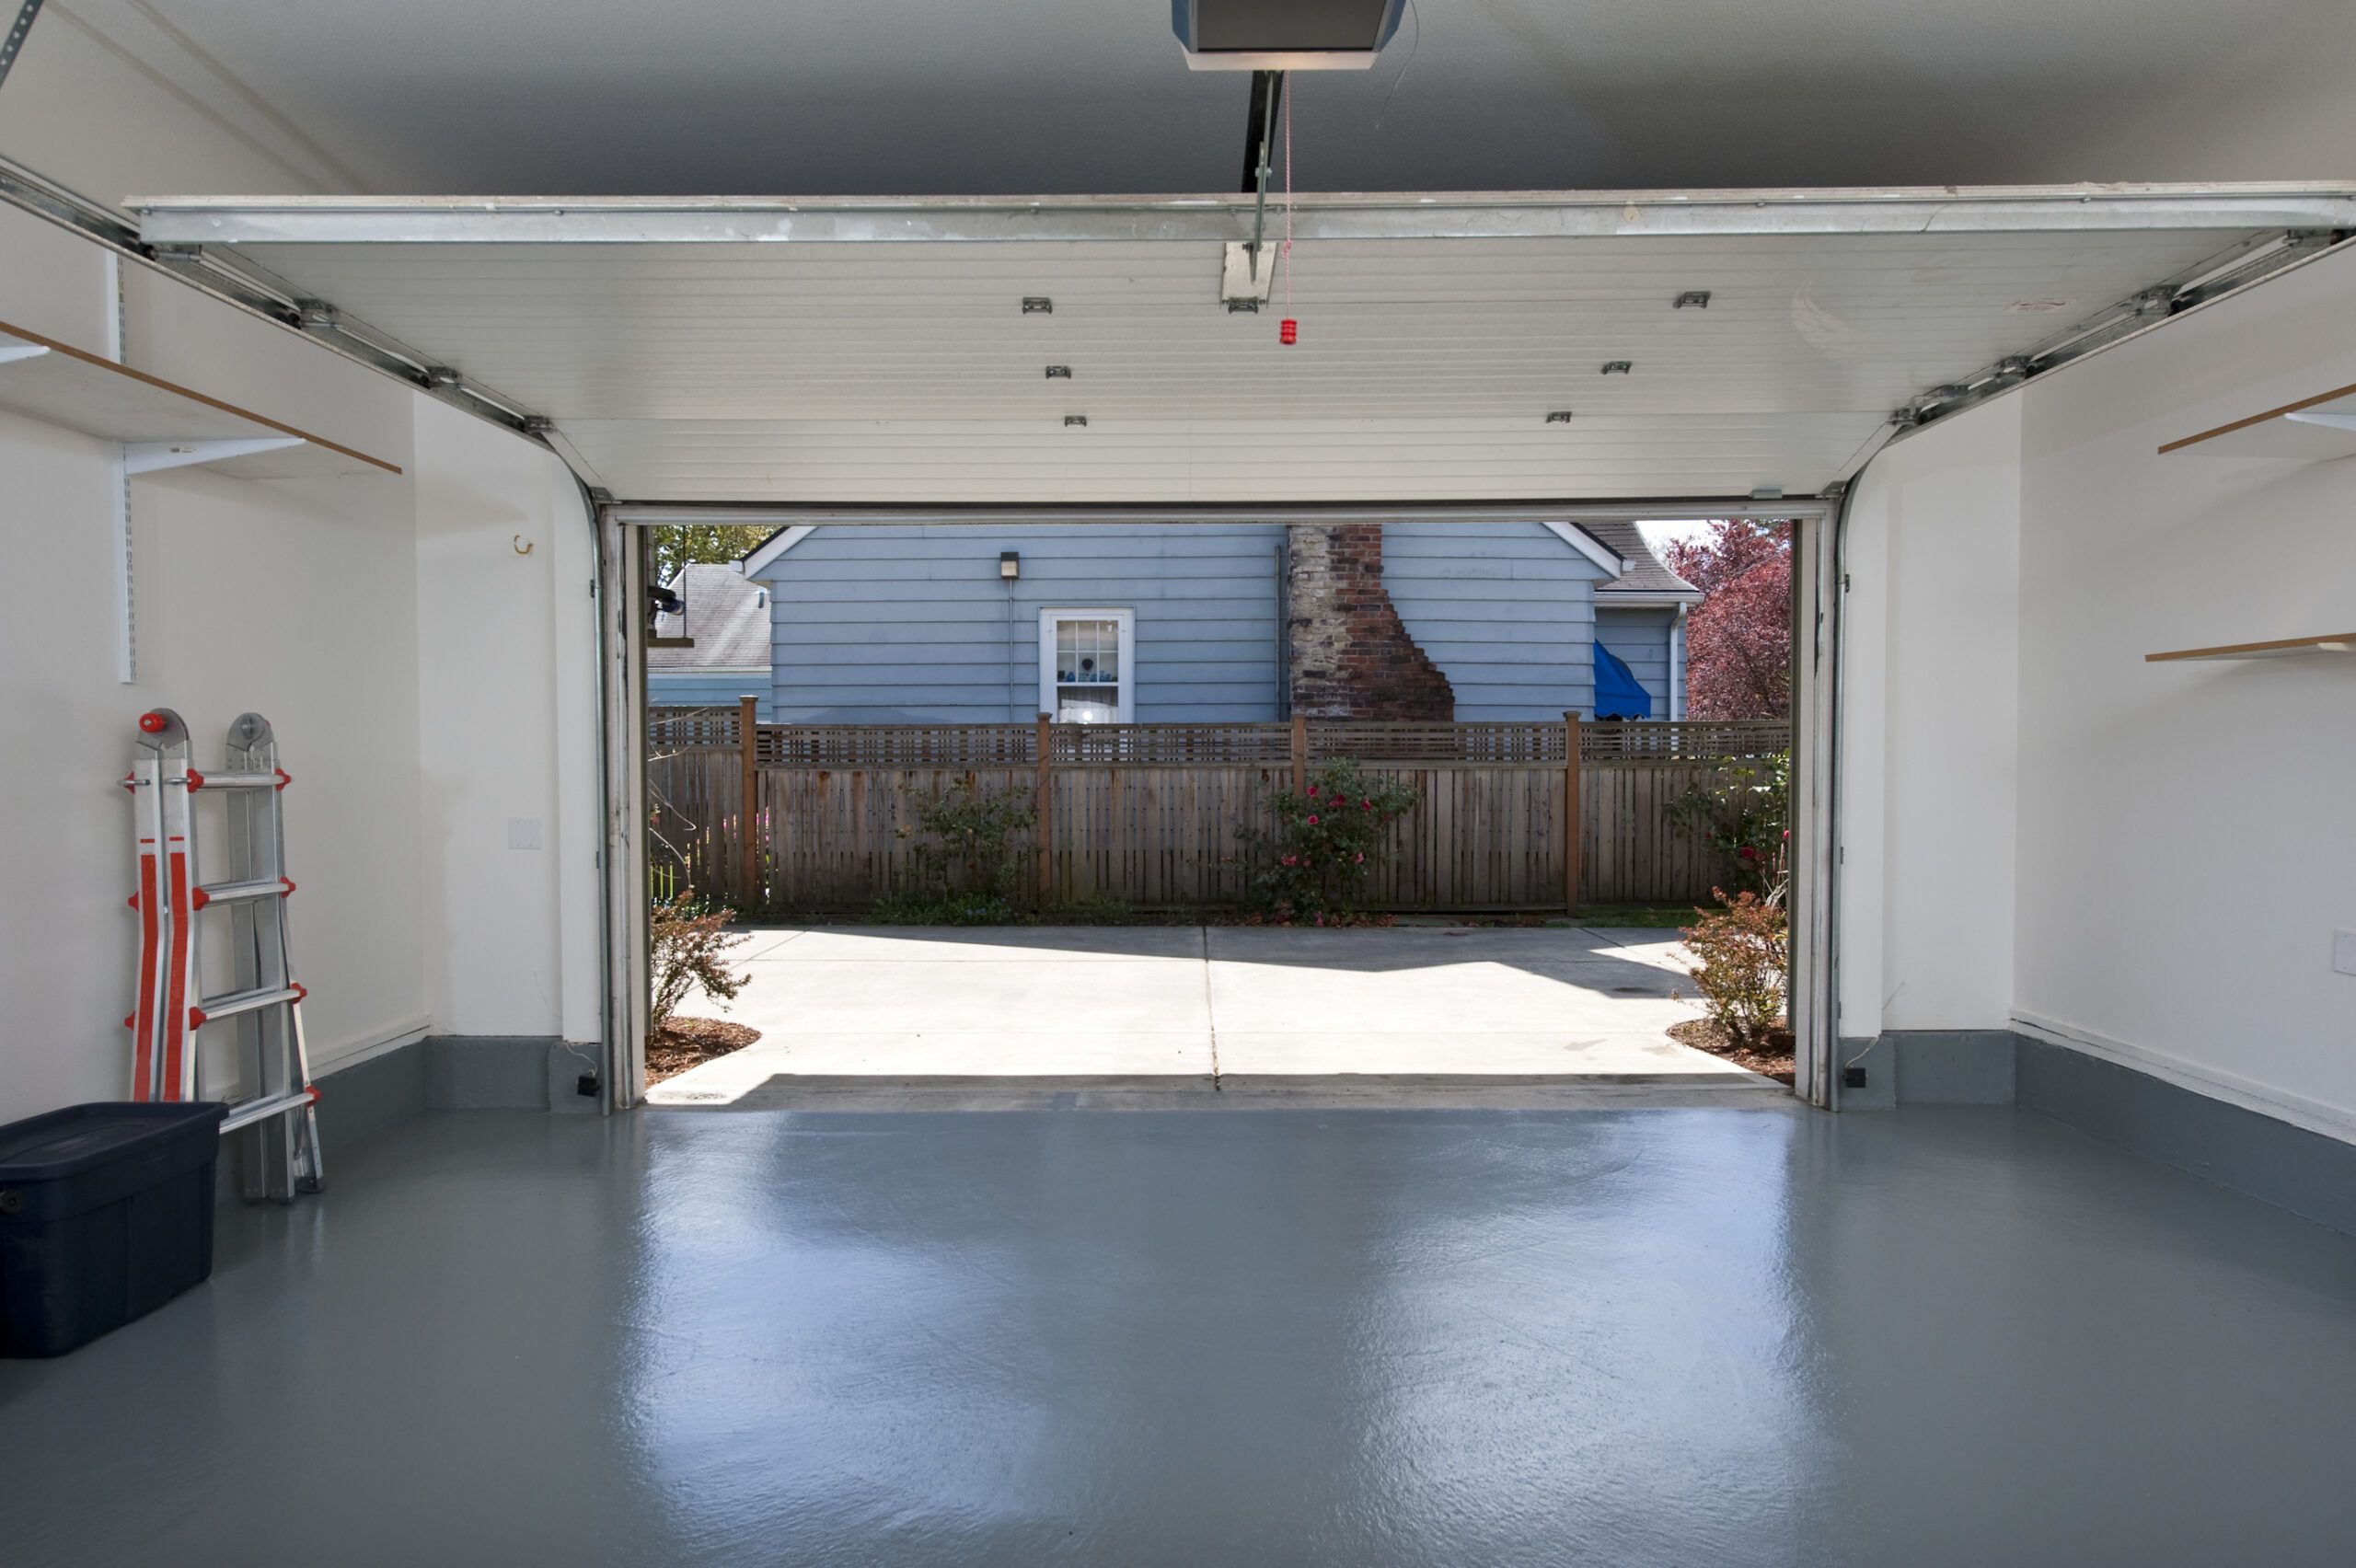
1009,564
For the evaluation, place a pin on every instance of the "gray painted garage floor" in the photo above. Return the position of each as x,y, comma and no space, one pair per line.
1362,1338
1181,1006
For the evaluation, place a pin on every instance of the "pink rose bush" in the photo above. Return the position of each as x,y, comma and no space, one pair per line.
1314,861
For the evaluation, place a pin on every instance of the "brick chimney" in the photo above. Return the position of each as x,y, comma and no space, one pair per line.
1349,652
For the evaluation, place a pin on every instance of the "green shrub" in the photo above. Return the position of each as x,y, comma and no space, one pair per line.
1744,814
961,870
1329,835
690,944
1743,953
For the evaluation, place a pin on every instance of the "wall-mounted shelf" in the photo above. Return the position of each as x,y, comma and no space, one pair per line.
160,425
2287,648
2312,430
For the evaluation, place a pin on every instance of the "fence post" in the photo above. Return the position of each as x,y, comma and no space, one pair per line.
1300,753
748,817
1571,815
1042,807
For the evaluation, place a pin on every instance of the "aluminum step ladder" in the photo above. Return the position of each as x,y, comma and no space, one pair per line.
277,1124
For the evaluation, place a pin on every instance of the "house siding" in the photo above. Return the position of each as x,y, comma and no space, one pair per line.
707,689
913,626
1507,611
1640,639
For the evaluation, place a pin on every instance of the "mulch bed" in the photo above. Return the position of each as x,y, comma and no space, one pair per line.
1775,1062
691,1041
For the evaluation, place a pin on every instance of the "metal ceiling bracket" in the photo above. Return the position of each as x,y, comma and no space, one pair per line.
10,45
1245,276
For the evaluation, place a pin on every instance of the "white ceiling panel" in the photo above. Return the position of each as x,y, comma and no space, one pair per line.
711,353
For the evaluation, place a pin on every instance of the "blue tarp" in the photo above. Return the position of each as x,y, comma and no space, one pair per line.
1617,693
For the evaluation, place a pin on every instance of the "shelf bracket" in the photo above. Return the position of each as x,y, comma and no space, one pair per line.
154,457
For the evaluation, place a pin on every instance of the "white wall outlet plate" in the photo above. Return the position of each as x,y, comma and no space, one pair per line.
522,833
2343,952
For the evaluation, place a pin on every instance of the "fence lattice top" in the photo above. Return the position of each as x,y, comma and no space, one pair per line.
1016,745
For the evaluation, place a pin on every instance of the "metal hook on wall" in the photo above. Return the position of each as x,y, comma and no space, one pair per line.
522,545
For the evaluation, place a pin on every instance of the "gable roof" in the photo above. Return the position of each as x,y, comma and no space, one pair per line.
727,616
1646,574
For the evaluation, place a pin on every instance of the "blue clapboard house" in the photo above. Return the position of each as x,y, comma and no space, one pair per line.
1178,622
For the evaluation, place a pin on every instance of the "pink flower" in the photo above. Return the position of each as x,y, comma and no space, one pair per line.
1358,858
1312,791
1292,860
1312,821
1747,853
1368,804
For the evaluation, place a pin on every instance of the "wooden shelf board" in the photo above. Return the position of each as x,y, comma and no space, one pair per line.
2286,648
2323,434
81,391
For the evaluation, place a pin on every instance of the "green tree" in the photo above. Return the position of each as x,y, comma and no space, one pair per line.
682,543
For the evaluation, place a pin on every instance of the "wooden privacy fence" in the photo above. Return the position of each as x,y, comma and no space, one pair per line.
1147,814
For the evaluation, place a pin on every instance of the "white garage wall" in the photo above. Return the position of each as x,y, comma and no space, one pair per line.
307,600
2186,850
1930,725
498,704
2144,862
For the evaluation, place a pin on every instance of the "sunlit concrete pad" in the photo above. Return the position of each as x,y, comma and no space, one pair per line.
764,941
912,995
1365,982
787,1059
953,944
1621,1055
1406,945
1017,1017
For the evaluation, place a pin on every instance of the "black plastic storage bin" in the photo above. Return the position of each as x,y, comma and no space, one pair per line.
106,1213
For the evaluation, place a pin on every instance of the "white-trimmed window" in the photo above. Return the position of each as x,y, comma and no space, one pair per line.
1088,665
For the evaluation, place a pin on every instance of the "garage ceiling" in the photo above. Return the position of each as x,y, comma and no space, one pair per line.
878,351
1067,96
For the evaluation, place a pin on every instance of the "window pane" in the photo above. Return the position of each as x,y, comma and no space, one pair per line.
1088,652
1088,671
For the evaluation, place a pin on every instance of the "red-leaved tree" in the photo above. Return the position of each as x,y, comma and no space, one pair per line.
1739,639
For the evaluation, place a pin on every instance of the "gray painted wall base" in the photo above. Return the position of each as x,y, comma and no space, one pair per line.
444,1072
1932,1066
488,1072
366,1098
2308,1174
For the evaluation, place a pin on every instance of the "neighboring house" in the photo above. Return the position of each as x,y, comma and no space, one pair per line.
1640,619
1220,622
716,648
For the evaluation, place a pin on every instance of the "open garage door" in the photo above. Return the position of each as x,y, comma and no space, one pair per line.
1537,356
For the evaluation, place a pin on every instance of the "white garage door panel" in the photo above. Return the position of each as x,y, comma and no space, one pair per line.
1215,461
747,368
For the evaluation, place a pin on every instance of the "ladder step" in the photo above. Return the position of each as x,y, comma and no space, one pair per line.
230,1004
240,892
246,1112
234,780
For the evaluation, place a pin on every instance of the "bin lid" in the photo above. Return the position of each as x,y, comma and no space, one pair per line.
60,1144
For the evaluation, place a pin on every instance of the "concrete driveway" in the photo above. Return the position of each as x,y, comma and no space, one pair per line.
1235,1009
